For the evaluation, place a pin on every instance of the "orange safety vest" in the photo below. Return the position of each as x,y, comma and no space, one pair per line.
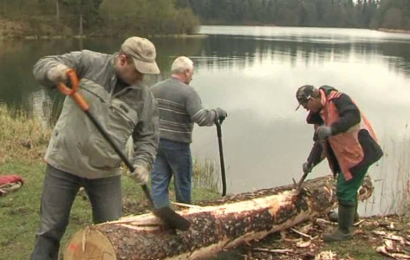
345,146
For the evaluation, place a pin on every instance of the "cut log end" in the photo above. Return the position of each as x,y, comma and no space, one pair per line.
89,244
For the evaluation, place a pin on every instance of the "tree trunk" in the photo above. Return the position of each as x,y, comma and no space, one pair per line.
216,225
4,8
57,10
81,25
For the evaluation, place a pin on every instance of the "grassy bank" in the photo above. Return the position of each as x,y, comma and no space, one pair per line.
23,141
19,210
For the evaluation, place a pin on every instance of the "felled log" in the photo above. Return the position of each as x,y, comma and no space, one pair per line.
216,225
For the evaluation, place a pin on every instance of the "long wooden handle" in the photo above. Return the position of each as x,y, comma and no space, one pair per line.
221,157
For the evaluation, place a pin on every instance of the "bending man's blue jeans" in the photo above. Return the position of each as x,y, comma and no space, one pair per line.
60,190
173,158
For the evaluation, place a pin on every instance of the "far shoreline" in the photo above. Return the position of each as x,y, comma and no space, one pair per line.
394,30
56,37
176,36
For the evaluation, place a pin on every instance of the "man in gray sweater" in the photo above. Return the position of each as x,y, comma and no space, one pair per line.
179,108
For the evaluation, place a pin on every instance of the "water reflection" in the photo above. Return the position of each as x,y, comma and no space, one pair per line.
225,52
223,49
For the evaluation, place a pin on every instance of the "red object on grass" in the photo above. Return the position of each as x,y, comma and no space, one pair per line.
6,180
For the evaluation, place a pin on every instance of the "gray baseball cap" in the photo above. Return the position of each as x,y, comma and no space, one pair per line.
303,94
143,54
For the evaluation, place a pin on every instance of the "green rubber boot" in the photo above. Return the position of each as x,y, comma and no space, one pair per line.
344,230
334,217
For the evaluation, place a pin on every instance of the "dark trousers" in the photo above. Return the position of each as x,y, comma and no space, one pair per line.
59,191
346,191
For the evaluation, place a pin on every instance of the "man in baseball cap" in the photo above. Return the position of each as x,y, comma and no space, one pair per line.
77,156
143,54
347,139
303,94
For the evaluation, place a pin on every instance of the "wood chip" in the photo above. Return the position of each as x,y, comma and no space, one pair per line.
321,220
304,244
300,233
273,251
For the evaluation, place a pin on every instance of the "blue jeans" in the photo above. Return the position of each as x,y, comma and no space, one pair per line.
59,191
173,158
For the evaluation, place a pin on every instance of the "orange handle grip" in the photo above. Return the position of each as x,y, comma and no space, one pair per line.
80,101
74,81
72,92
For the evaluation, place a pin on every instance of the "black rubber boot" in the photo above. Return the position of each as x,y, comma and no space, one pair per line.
344,229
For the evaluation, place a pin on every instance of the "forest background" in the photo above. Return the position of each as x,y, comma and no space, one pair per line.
28,18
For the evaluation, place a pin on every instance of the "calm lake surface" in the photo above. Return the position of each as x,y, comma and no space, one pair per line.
253,73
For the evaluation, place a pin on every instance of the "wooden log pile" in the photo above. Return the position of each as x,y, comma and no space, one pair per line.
216,225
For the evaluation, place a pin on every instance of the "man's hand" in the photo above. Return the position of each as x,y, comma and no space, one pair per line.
140,175
58,74
307,167
220,114
323,132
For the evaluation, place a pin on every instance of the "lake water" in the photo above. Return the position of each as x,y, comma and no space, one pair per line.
253,73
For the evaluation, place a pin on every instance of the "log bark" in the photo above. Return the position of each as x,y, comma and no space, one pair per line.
216,225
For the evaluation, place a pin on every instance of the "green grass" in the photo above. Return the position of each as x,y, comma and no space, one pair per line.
19,210
357,248
18,213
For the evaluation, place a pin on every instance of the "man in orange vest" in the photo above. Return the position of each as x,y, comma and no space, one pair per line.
349,143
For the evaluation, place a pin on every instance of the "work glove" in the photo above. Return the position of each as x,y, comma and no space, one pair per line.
307,167
323,132
220,114
140,175
58,74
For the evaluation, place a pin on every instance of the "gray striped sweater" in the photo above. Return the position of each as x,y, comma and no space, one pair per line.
179,108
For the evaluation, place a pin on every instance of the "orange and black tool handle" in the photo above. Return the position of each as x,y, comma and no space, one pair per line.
73,93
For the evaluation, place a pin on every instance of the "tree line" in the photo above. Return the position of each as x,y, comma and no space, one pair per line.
390,14
93,17
115,17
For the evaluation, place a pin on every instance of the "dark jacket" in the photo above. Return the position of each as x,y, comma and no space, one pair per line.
349,116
